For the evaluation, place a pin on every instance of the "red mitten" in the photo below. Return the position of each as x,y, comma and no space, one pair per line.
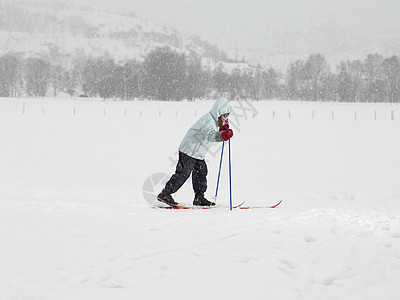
226,135
224,128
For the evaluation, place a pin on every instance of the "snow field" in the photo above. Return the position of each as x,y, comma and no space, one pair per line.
74,223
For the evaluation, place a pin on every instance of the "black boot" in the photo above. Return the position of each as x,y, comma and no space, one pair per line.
199,200
166,198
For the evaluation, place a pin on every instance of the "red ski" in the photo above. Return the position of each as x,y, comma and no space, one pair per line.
251,207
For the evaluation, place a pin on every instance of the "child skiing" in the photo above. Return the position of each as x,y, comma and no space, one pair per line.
192,151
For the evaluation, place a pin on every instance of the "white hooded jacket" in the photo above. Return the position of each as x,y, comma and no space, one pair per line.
200,137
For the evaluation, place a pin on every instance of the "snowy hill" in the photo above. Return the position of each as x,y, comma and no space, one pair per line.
336,43
62,31
282,31
74,222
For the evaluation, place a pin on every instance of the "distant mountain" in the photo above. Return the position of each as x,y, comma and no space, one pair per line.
281,47
340,30
62,31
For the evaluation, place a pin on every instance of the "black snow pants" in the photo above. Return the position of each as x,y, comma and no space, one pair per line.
188,165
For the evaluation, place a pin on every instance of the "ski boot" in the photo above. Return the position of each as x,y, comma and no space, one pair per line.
166,198
199,200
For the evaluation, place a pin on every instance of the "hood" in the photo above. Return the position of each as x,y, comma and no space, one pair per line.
221,106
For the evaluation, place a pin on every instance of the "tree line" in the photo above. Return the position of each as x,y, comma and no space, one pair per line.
375,79
165,74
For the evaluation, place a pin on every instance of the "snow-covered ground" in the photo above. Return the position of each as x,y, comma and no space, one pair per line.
75,223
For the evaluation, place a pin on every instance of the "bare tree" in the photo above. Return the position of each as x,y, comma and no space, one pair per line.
37,73
11,81
295,79
57,79
315,69
391,68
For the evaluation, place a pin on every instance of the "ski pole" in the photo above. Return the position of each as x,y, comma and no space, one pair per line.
220,165
219,171
230,176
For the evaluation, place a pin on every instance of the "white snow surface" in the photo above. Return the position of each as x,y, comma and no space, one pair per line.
74,222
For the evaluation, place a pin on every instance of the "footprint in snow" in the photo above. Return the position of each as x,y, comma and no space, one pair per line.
387,244
395,235
328,281
277,231
197,254
310,239
112,286
289,264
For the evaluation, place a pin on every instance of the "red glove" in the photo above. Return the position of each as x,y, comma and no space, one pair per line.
224,128
227,134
